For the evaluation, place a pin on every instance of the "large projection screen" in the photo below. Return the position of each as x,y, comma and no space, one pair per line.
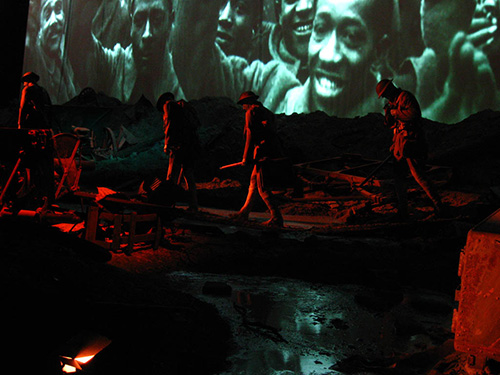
299,56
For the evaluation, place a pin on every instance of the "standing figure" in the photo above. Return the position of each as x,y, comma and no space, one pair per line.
409,147
261,145
35,101
182,145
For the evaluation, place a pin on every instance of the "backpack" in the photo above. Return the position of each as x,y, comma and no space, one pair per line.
180,125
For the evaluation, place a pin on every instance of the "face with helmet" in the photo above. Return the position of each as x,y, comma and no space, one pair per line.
343,50
246,105
151,23
238,19
295,18
248,99
51,34
29,79
386,89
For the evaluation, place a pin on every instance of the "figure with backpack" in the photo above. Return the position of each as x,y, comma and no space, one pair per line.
180,123
409,146
261,147
35,104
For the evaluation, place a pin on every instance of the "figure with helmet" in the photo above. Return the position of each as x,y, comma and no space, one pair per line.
261,147
35,102
409,147
182,145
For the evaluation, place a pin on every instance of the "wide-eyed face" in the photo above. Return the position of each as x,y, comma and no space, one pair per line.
341,52
149,32
51,32
237,20
296,19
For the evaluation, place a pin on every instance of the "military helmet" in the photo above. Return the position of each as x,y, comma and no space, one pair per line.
382,86
247,97
30,77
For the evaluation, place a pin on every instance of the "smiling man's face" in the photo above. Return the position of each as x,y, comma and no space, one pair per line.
52,27
341,52
296,19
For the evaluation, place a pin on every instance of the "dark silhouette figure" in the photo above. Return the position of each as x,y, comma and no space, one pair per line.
409,147
261,146
180,123
35,104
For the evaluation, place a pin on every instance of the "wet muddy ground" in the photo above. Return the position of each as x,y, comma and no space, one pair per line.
285,326
307,300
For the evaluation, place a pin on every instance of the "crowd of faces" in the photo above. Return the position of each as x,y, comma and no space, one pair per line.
340,41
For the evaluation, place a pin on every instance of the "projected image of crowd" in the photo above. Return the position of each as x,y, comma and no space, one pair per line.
301,56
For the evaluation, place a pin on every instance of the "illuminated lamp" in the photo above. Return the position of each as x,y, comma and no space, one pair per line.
80,350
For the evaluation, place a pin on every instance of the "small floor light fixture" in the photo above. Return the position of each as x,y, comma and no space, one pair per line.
80,350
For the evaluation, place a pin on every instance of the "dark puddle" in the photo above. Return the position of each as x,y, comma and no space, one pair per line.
284,326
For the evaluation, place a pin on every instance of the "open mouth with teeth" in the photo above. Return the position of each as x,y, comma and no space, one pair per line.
327,86
303,28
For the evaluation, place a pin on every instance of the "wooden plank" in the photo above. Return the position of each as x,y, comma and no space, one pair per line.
92,222
130,203
158,234
132,218
350,169
117,229
343,176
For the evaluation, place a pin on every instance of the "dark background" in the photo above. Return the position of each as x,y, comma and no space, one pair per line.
14,15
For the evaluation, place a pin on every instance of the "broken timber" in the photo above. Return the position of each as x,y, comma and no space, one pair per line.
348,168
345,173
358,172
